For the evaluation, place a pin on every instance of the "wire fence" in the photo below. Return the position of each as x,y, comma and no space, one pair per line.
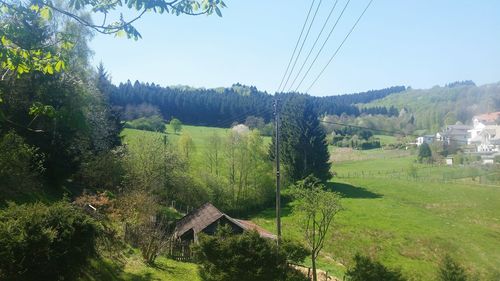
434,174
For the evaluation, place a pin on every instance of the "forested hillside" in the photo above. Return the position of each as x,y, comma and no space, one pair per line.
439,106
222,106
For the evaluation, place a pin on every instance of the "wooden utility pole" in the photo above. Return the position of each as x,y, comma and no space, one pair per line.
277,158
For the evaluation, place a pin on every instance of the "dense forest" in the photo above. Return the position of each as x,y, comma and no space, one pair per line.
221,107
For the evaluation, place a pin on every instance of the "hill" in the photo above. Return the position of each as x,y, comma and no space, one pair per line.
221,107
439,106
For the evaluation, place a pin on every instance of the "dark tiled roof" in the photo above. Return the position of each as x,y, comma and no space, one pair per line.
199,219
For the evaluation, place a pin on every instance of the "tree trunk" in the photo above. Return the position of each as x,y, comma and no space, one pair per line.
313,262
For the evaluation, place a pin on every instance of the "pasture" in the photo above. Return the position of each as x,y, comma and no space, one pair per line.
403,221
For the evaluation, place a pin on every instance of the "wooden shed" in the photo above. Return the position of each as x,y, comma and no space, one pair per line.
207,218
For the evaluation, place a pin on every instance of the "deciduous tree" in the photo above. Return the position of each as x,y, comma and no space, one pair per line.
317,209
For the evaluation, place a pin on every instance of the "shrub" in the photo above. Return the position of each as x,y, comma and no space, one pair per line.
39,242
154,123
365,269
450,270
20,165
245,257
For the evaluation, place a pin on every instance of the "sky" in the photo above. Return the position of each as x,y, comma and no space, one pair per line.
417,43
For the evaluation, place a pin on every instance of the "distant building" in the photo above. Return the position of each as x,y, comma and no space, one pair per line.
449,161
491,118
428,139
490,139
207,218
457,134
483,136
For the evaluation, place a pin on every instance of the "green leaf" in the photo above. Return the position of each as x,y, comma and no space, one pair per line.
120,33
46,13
217,10
48,69
59,66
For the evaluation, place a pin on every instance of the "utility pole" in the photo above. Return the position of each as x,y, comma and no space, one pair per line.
277,158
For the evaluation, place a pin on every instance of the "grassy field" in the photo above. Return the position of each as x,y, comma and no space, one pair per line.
405,223
131,268
200,136
408,224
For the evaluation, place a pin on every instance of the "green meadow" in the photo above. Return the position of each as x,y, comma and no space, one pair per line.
405,222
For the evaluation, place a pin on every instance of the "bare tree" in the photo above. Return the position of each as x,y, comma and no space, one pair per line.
317,208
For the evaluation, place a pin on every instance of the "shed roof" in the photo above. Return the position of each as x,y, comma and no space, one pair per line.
198,219
206,214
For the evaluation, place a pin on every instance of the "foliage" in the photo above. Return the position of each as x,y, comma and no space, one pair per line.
222,106
186,145
424,153
154,166
104,171
253,122
450,270
21,165
64,115
366,269
176,125
303,149
18,57
39,242
154,123
247,256
317,209
433,107
241,171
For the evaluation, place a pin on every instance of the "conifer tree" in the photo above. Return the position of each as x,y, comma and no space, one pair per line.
303,147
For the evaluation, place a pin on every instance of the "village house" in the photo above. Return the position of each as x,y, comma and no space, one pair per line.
428,139
207,218
483,134
457,134
490,139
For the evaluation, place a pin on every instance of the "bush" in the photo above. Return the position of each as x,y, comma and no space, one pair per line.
365,269
20,165
245,257
154,123
450,270
39,242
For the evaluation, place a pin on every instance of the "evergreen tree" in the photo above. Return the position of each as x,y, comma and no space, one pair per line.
303,147
425,153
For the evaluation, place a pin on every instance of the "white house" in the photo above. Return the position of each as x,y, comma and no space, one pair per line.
428,139
490,139
484,131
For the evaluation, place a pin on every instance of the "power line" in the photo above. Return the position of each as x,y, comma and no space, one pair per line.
340,46
323,46
296,45
314,45
302,45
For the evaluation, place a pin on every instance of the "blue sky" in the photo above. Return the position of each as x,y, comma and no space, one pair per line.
418,43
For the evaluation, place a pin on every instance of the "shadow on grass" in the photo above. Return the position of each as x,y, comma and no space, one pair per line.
351,191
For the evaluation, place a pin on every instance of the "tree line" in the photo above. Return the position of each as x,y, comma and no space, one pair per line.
221,107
